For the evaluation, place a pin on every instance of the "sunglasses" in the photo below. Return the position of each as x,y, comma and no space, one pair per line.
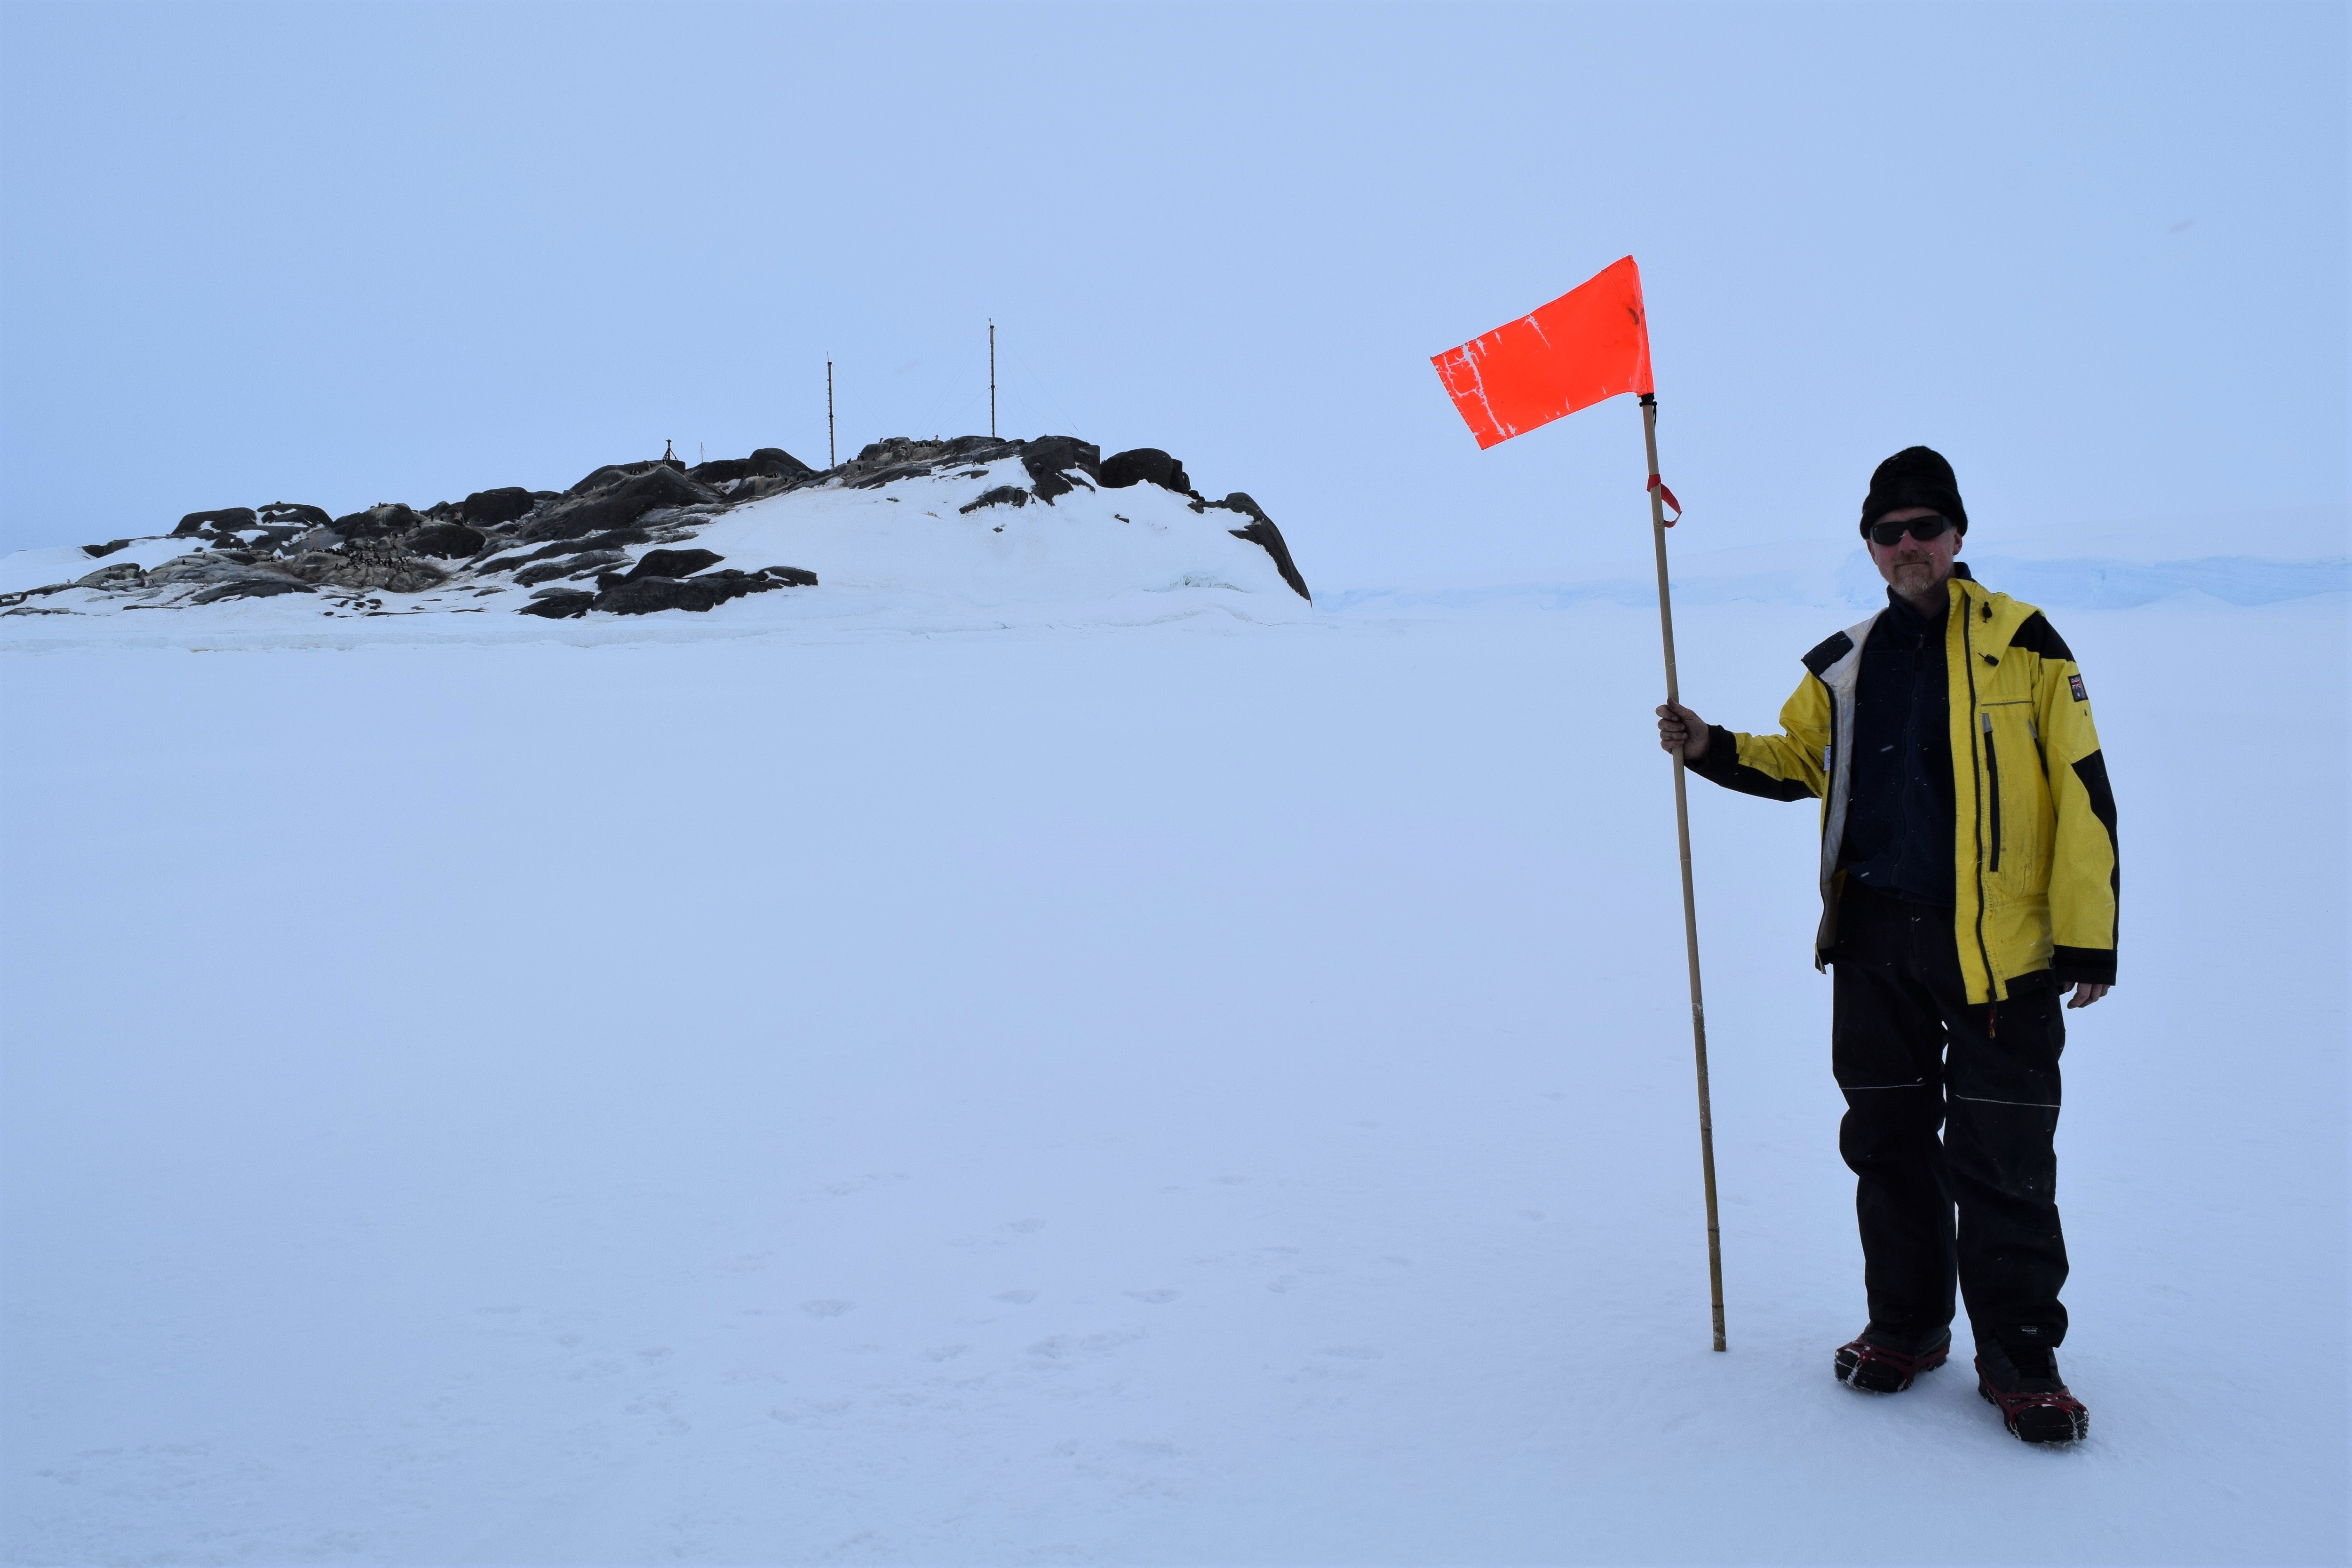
1887,535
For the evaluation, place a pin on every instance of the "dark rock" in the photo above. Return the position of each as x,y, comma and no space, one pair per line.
1049,458
645,595
1003,495
371,566
377,522
767,463
776,463
1262,533
672,564
1057,454
1141,466
95,550
249,588
450,541
1240,501
121,574
570,566
501,505
230,517
890,450
611,473
892,457
656,488
612,539
903,457
294,511
561,603
792,576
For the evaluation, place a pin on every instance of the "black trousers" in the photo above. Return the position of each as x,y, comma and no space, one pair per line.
1914,1056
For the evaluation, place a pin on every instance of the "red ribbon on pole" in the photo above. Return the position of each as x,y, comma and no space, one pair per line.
1659,485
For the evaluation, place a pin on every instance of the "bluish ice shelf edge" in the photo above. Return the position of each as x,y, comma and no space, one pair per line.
2054,585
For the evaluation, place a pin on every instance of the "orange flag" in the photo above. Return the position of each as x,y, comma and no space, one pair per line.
1591,343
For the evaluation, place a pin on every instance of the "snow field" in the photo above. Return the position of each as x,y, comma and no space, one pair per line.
1204,1092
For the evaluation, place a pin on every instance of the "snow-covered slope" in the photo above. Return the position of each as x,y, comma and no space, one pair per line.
1196,1093
916,535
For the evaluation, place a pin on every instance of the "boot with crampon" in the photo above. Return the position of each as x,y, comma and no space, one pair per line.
1884,1361
2033,1402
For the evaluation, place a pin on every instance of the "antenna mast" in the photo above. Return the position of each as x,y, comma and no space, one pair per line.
992,378
832,461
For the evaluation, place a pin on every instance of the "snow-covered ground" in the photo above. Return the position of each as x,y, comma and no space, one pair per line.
1215,1090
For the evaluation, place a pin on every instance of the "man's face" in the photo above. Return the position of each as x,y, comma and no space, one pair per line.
1913,568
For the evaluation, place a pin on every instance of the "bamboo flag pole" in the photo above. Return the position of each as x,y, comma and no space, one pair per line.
1690,897
1589,345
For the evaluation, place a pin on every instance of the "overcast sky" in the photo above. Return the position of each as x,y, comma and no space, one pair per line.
350,253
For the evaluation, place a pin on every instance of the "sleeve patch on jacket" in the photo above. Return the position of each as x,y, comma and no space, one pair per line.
1835,647
2038,635
2075,681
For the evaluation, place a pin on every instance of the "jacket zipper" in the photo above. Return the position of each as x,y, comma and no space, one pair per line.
1968,663
1993,786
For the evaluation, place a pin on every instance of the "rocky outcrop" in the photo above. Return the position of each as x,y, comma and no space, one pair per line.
579,565
365,565
485,509
554,542
1003,495
450,541
225,518
1262,533
616,504
672,564
645,595
767,463
559,604
1145,465
248,588
381,521
296,514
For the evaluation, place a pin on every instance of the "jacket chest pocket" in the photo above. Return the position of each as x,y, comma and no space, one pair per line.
2016,811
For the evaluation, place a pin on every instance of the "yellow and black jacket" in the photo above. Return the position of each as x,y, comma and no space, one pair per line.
2034,849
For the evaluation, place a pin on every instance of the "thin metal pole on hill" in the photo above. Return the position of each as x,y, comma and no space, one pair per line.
1690,898
832,459
992,378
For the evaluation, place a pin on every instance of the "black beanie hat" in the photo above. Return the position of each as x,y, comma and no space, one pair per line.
1916,476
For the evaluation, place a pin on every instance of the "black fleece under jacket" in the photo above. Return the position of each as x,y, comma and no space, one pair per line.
1898,830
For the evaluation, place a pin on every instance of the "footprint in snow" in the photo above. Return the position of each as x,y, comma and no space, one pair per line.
1155,1297
825,1309
807,1410
1018,1298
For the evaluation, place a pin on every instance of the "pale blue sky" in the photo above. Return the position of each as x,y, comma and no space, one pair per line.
348,253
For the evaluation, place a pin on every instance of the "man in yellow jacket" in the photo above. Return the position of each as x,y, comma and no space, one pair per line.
1969,882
